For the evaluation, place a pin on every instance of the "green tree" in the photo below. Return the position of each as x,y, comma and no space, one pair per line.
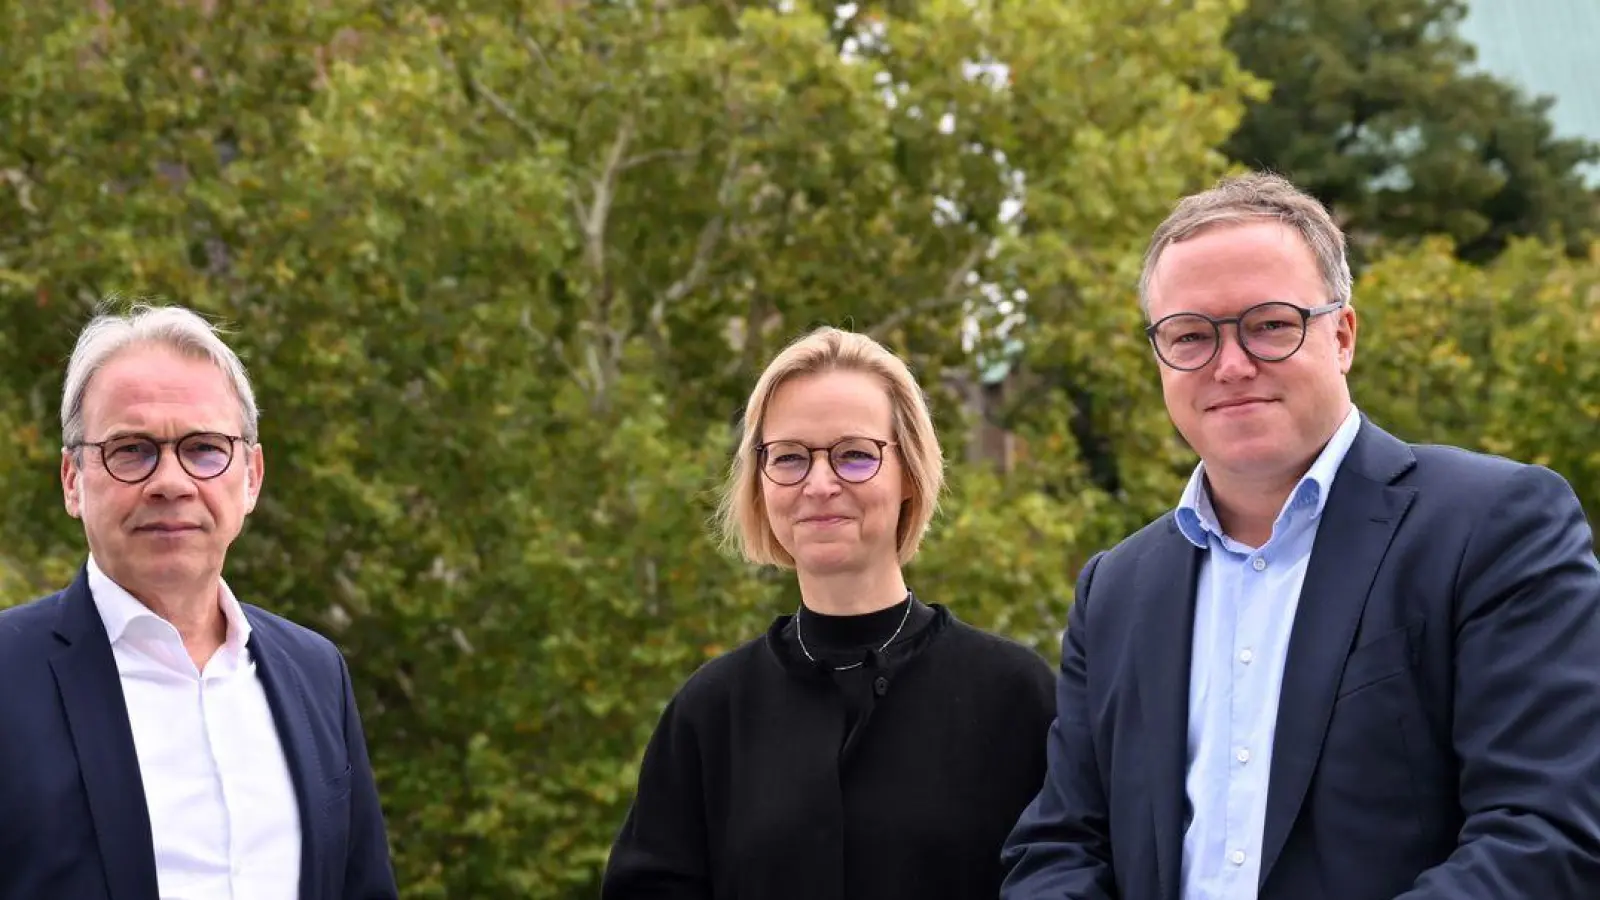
1501,359
1377,110
503,273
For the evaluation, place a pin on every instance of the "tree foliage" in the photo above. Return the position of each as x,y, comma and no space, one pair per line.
1502,359
503,272
1377,109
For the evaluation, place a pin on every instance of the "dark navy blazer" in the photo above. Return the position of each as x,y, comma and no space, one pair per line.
1438,731
73,820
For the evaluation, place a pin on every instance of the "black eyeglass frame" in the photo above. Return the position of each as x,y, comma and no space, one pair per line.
1306,315
161,446
811,455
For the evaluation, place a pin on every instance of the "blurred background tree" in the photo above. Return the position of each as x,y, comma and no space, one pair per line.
504,272
1377,109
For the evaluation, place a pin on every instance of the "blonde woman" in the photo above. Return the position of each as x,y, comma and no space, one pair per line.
870,745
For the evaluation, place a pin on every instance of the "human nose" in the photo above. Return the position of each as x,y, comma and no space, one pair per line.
821,480
1233,363
169,479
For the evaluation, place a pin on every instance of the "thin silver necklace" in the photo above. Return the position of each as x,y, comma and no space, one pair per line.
904,616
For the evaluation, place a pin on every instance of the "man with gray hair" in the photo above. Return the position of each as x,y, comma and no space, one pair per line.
1343,667
162,740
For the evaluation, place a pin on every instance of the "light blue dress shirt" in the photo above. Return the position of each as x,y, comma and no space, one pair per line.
1244,608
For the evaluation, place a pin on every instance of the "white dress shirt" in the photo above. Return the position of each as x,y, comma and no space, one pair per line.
223,815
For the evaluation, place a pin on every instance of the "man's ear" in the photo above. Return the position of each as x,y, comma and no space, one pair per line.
255,471
1349,325
71,484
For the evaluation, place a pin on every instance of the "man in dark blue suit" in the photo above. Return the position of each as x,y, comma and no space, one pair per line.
159,739
1344,667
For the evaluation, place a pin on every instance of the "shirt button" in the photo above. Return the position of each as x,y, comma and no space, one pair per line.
1258,564
880,686
1245,656
1236,857
1243,755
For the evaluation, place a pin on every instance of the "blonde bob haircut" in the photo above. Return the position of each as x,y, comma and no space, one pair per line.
742,515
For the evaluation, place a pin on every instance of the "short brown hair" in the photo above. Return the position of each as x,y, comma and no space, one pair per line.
1251,197
742,516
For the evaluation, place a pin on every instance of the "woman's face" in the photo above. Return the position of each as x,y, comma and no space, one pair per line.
831,524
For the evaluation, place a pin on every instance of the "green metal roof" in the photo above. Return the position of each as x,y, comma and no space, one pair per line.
1547,48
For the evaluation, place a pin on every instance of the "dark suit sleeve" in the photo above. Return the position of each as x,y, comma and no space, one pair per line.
368,872
1061,847
1527,702
1036,697
661,851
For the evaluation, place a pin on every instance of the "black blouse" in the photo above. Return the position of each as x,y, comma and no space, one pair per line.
772,776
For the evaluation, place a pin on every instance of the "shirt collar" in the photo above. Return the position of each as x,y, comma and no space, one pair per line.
1197,518
118,609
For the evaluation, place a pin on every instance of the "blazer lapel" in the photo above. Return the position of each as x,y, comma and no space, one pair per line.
97,715
284,686
1168,575
1358,522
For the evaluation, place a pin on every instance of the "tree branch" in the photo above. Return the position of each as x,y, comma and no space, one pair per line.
710,236
537,52
23,185
528,129
952,295
639,159
594,218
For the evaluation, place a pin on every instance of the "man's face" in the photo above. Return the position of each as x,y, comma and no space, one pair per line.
171,531
1244,417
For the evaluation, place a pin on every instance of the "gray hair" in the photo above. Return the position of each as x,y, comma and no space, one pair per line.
172,327
1254,197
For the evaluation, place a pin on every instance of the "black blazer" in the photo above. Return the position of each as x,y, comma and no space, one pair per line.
73,820
1438,732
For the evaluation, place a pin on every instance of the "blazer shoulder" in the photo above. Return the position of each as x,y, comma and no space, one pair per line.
291,637
1443,471
1125,555
21,627
1441,463
1162,527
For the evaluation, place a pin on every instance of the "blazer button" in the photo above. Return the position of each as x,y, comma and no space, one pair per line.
880,686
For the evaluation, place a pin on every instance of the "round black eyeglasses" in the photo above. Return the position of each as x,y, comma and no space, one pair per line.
853,459
1270,332
133,458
